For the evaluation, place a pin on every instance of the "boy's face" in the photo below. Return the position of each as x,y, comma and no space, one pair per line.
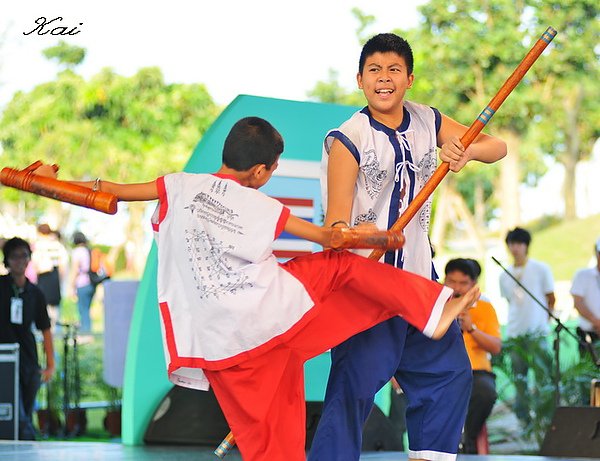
518,250
459,282
384,81
17,261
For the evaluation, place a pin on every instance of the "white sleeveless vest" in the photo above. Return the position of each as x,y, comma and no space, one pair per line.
391,161
221,290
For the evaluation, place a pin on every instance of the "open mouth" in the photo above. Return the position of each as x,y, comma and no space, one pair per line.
384,91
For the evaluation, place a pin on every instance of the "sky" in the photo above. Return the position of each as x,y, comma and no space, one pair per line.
272,48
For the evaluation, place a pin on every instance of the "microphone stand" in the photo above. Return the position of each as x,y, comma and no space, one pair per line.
587,344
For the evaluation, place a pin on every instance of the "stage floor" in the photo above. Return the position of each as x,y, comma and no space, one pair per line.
97,451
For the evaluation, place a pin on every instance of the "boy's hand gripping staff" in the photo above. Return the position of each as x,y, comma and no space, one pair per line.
472,132
64,191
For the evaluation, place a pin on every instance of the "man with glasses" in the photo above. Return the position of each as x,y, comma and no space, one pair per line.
22,304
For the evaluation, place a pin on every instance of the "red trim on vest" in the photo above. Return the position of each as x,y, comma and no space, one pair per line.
227,176
169,335
163,202
282,221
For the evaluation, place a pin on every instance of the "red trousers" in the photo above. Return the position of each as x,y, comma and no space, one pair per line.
263,398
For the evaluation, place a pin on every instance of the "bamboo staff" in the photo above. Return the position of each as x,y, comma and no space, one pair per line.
482,119
227,444
365,237
63,191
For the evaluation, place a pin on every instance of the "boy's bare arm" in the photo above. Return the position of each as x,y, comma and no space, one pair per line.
124,192
484,148
308,231
342,172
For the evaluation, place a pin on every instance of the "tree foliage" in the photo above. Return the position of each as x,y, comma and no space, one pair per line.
65,54
124,128
570,122
465,50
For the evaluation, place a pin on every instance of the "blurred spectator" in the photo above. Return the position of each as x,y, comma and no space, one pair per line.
586,296
80,284
22,304
481,333
50,260
525,317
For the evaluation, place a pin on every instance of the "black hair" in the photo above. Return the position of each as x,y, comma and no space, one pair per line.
384,43
467,266
14,244
79,238
518,235
252,141
476,267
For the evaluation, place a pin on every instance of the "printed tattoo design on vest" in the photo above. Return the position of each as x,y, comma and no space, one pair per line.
206,208
215,187
427,166
368,217
374,175
212,274
425,216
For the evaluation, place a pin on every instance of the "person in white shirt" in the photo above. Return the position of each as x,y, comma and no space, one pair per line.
586,297
526,318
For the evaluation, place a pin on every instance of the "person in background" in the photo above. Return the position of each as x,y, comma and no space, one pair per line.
22,305
526,319
586,297
81,286
481,332
50,261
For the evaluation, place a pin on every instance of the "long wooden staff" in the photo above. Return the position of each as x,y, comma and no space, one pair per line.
442,170
466,140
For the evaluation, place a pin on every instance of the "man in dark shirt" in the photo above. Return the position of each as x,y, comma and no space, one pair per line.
21,305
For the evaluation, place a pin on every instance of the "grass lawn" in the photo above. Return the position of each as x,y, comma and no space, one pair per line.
566,246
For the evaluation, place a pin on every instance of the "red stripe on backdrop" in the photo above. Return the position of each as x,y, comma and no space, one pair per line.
295,201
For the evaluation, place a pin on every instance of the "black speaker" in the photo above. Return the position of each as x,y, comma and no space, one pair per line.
313,415
575,431
192,417
187,417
